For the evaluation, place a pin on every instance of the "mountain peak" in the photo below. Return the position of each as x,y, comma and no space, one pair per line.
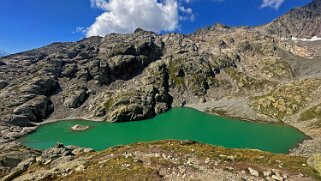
3,53
303,22
314,5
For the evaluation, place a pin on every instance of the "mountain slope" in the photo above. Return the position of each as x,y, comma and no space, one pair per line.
302,22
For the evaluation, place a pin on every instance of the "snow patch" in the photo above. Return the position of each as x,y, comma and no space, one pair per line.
315,38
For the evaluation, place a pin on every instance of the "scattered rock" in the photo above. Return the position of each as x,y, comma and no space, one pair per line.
267,173
253,172
80,168
207,160
88,150
231,158
277,177
229,168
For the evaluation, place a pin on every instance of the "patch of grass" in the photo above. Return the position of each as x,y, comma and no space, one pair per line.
276,68
118,168
109,103
122,98
162,162
173,71
214,82
312,113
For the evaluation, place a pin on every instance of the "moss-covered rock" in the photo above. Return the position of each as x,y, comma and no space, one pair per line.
287,99
313,113
315,162
247,82
276,69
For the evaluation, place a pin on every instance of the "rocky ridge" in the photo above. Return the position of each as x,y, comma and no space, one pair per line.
301,22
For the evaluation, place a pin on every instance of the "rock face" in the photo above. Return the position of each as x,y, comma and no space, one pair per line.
75,96
302,22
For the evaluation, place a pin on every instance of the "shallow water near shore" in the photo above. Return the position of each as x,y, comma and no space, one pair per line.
177,124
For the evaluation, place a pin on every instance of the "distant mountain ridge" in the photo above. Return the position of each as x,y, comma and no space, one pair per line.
301,22
3,53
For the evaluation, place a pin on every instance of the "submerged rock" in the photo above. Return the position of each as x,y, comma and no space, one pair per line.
79,127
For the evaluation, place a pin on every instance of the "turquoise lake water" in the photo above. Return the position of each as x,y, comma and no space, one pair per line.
178,124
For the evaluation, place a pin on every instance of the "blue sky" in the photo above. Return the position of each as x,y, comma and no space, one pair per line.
28,24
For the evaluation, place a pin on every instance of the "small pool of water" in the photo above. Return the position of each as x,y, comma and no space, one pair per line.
178,124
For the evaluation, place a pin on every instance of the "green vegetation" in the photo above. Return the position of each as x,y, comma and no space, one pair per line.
122,98
174,68
312,113
276,68
214,82
247,82
286,99
185,74
118,168
109,103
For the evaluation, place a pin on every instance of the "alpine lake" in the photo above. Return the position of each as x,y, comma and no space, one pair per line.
176,124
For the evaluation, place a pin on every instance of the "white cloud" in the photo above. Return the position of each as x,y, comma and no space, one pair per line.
275,4
190,1
79,29
124,16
